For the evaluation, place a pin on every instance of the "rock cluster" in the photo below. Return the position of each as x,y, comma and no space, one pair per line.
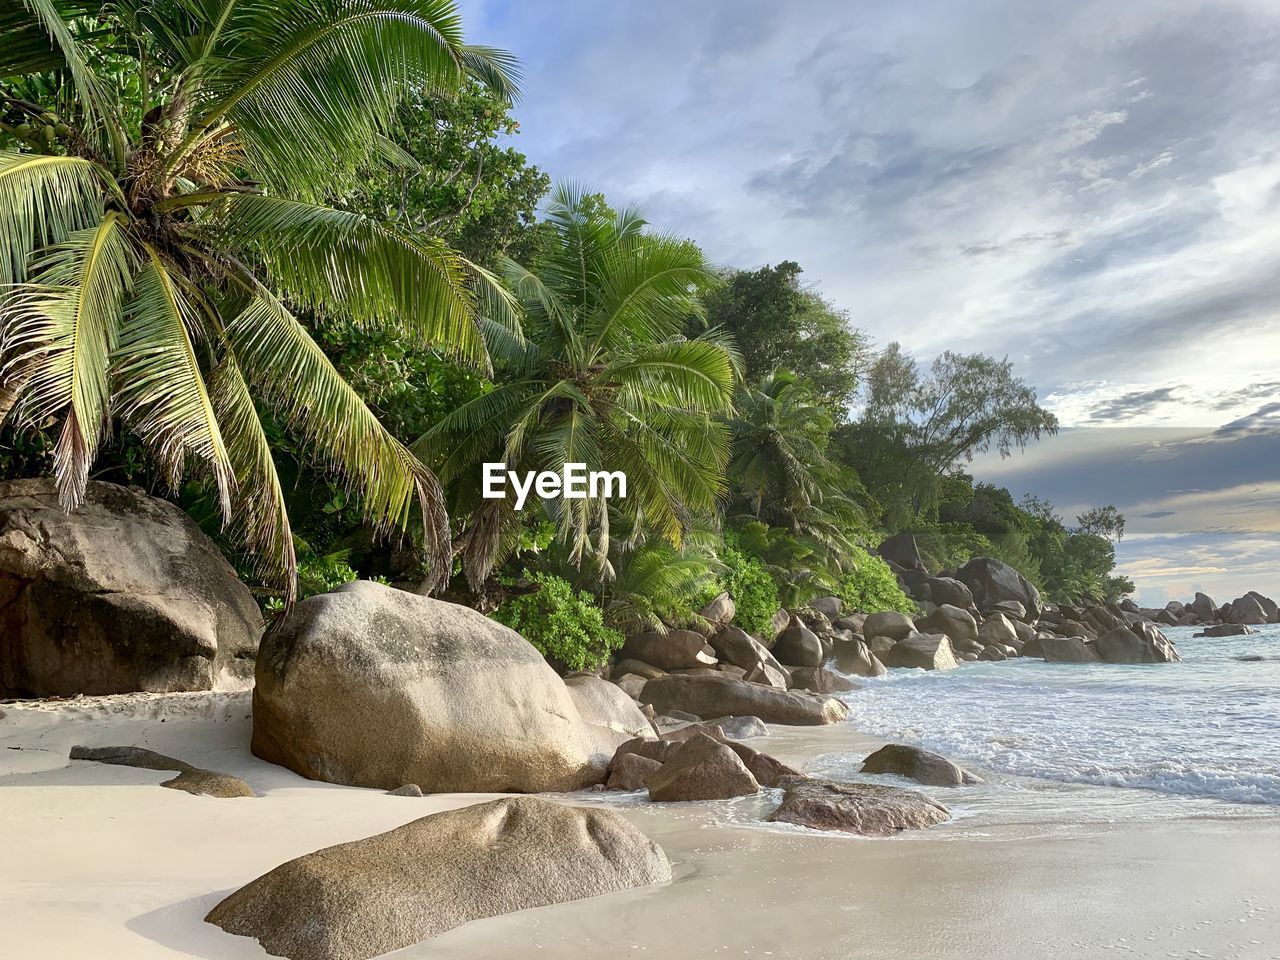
986,610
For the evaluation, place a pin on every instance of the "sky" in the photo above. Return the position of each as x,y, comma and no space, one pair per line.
1091,189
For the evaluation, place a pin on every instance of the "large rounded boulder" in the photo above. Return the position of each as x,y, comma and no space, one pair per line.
369,897
991,581
125,593
374,687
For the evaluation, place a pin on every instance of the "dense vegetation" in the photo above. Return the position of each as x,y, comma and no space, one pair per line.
297,279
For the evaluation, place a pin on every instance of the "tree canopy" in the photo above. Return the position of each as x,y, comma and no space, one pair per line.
779,324
161,224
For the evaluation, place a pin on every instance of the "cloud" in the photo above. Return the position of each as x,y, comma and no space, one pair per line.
1137,404
1093,191
1235,397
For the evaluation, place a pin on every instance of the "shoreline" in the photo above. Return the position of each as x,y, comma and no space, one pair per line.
1026,888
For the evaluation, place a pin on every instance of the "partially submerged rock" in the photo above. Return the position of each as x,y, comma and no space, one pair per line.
922,766
717,696
868,809
852,656
631,772
740,728
126,593
820,680
1226,630
368,897
923,650
374,687
1141,643
702,769
1067,650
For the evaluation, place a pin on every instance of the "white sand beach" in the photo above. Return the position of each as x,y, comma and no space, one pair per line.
99,862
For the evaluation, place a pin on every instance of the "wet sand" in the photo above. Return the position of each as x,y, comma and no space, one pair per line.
99,862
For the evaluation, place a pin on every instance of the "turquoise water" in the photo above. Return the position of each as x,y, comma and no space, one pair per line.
1208,727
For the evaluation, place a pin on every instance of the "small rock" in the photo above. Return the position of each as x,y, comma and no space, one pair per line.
862,808
913,763
209,783
408,790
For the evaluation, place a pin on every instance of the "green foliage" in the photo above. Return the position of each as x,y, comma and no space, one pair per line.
602,377
565,625
657,586
780,325
161,228
754,593
461,186
319,573
871,587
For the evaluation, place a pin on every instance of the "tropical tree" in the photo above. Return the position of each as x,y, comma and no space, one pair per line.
779,470
603,377
779,445
781,324
162,180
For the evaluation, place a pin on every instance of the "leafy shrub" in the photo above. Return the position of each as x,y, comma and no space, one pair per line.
754,593
319,573
566,627
870,586
659,586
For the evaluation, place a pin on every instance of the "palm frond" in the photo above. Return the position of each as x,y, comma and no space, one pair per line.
259,506
693,374
473,430
61,329
161,392
45,199
647,290
353,61
333,261
292,373
497,69
102,124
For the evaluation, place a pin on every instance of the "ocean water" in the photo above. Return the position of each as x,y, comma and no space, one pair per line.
1206,728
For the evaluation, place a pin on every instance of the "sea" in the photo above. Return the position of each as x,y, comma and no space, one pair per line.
1199,737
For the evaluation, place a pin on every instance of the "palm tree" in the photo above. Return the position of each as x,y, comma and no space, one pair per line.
162,216
795,508
778,463
604,378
